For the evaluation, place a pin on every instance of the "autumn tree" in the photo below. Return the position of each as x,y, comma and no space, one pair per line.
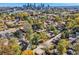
62,46
9,47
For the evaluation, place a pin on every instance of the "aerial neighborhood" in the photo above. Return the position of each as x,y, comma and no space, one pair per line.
39,30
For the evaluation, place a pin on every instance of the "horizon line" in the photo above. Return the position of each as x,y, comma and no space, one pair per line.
51,4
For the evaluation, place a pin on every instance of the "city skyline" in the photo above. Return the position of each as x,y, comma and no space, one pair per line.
37,4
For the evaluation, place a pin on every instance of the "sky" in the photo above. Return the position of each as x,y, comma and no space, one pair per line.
51,4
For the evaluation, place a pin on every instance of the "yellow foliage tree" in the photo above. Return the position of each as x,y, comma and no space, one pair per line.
9,47
27,52
62,45
77,20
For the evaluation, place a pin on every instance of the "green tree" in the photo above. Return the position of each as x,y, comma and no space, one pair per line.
53,28
35,39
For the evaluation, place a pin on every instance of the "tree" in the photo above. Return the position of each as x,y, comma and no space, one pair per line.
57,18
27,52
70,23
53,28
35,39
62,46
27,28
9,47
77,20
76,48
43,36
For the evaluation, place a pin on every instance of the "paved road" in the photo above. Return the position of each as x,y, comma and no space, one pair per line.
8,31
47,43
